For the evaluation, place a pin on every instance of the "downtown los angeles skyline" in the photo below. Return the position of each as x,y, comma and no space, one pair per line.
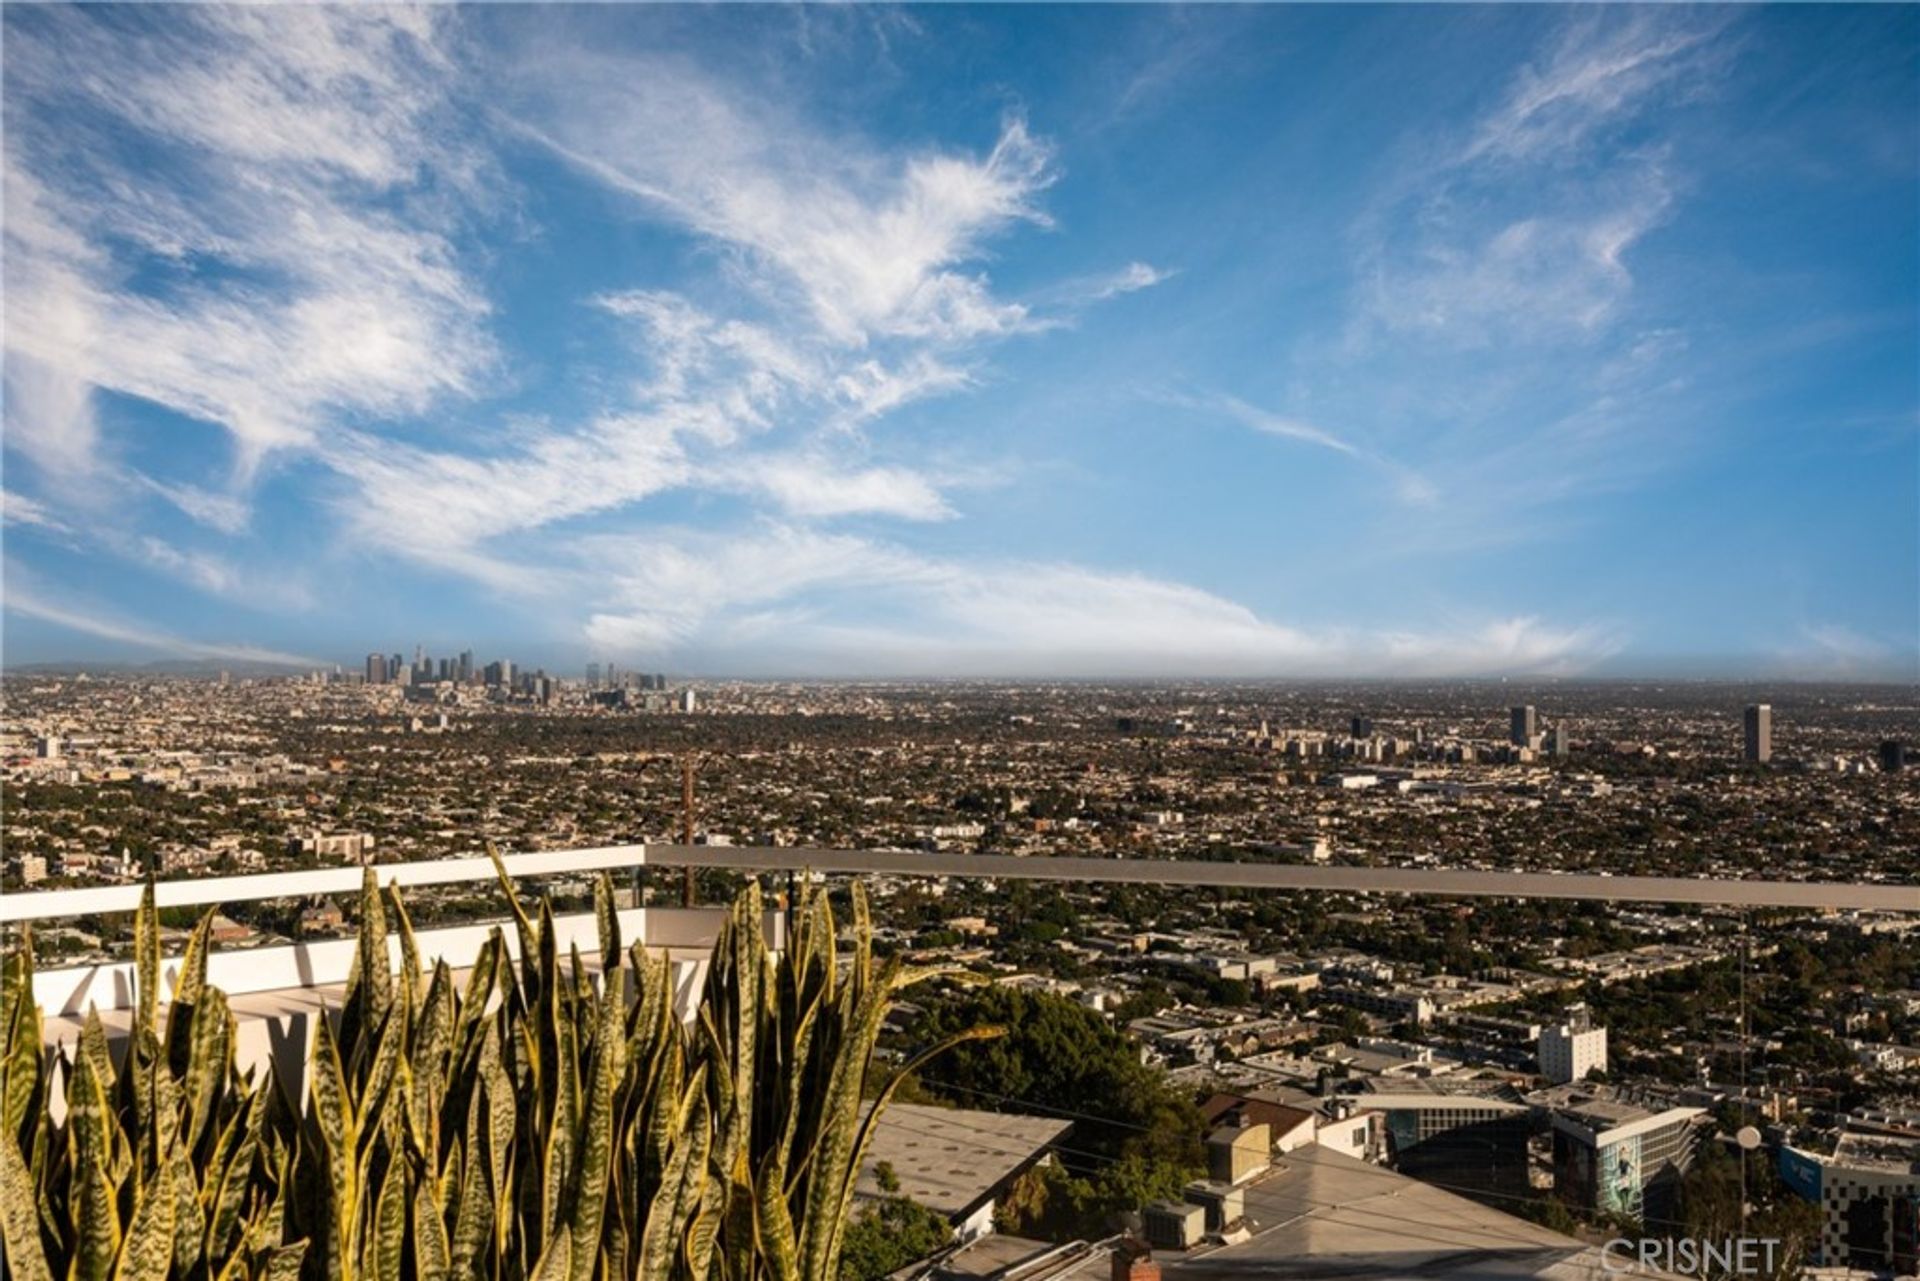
956,341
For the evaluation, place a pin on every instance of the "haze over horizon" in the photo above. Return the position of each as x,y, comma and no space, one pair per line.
952,341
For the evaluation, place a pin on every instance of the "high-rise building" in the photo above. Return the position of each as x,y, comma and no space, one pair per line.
1759,733
1525,723
1893,756
1558,743
465,673
1362,727
376,669
1571,1050
687,700
395,666
593,676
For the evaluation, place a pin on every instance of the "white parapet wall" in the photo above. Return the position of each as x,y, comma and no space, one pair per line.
278,993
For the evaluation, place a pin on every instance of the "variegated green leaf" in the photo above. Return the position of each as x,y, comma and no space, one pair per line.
19,1220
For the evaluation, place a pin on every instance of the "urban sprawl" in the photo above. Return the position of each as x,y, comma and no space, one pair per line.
1593,1068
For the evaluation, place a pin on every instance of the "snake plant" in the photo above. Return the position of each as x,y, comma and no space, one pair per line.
544,1118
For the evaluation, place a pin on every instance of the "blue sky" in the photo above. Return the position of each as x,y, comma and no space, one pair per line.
950,340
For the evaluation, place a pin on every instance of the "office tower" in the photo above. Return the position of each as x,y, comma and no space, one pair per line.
394,667
376,669
1557,741
446,669
1525,723
687,700
466,666
1615,1157
1759,726
1362,727
593,676
1893,756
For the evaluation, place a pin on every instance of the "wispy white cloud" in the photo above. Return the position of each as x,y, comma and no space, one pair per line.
1603,68
844,603
18,509
261,164
25,599
875,244
1106,285
1409,486
1519,233
811,485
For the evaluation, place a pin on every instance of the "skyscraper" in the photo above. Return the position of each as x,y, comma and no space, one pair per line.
1893,756
1759,725
593,676
465,673
395,666
1525,723
376,669
1362,727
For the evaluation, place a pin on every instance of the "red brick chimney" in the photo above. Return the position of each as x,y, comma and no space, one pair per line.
1133,1262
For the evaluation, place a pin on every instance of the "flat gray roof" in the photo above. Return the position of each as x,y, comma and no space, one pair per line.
1321,1214
951,1159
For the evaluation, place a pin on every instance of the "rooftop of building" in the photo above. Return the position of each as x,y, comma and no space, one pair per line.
1323,1215
952,1159
1887,1153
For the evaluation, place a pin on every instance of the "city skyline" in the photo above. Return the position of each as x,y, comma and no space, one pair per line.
952,341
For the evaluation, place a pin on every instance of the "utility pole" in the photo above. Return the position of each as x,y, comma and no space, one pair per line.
686,827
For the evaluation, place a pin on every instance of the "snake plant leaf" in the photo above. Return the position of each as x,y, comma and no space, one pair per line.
432,1251
681,1183
209,1059
19,1222
90,1146
370,981
387,1241
594,1166
24,1088
333,1112
147,1252
192,976
226,1195
189,1223
410,970
146,957
529,943
606,919
473,1220
556,1261
97,1220
283,1264
779,1241
16,985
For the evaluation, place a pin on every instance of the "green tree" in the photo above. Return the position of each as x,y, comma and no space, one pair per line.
1135,1136
886,1237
